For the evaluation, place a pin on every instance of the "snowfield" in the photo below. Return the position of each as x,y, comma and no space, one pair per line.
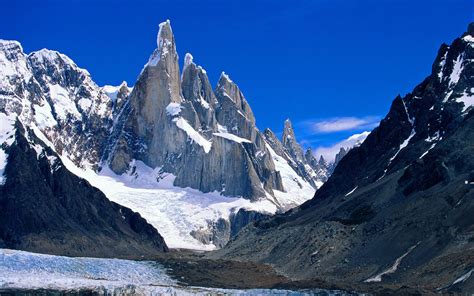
173,211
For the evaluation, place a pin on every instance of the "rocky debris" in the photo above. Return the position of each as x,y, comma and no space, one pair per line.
243,218
395,207
50,210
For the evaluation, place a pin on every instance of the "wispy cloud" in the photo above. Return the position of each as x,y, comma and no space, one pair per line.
338,124
329,152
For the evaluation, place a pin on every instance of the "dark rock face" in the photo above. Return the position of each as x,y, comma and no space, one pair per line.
397,207
50,210
243,218
221,231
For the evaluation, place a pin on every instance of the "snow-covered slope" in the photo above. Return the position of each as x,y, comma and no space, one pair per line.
174,211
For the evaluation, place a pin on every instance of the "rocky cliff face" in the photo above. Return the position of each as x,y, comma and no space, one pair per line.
185,128
398,206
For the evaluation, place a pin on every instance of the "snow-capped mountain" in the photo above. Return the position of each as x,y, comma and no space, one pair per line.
168,140
398,208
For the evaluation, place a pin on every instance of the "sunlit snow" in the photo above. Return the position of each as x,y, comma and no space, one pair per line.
193,134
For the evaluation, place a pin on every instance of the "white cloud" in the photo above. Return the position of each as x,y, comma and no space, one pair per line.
338,124
329,152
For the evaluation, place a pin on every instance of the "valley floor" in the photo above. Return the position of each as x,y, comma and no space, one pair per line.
180,272
25,273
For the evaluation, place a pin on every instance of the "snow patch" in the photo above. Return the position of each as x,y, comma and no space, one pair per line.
7,128
297,190
193,134
457,69
467,100
468,38
188,60
232,137
7,136
393,268
352,191
44,116
463,278
426,152
85,104
173,109
3,164
442,63
63,105
162,46
112,91
224,75
203,102
221,128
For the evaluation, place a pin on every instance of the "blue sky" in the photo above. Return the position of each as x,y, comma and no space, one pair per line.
332,67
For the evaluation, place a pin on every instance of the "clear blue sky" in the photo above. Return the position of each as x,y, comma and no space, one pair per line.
311,61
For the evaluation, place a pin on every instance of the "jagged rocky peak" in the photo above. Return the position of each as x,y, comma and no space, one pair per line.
228,90
12,58
275,143
197,89
145,130
322,161
118,95
171,122
342,152
166,47
290,143
304,164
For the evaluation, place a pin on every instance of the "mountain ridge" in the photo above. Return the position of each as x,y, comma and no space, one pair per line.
397,209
